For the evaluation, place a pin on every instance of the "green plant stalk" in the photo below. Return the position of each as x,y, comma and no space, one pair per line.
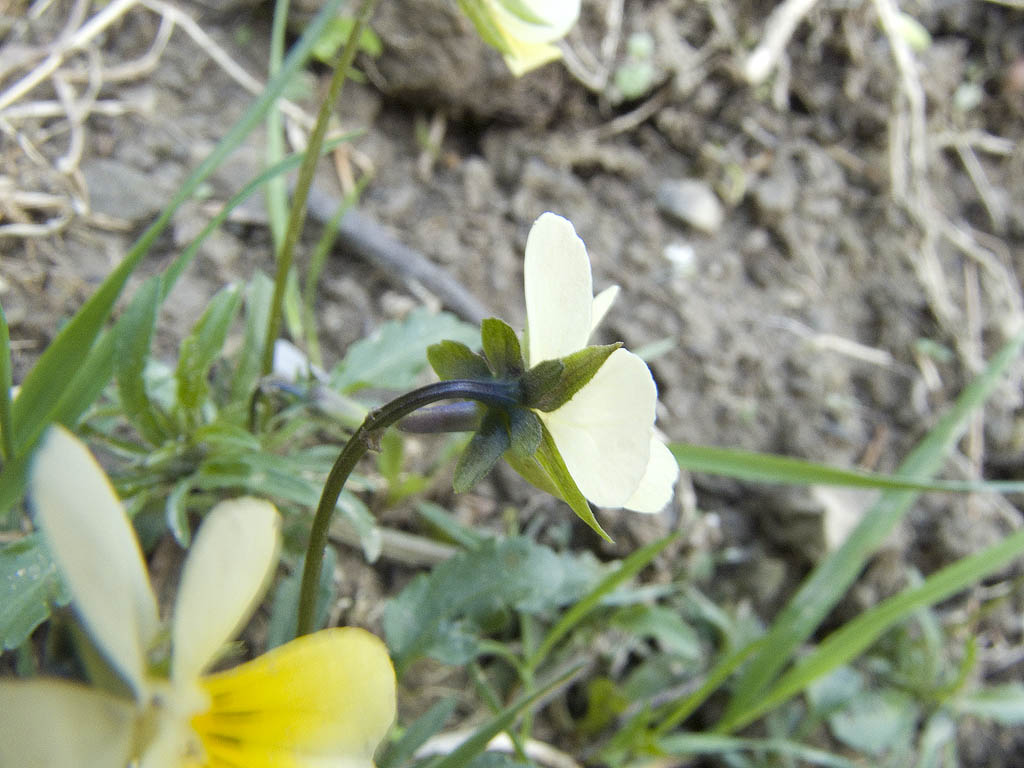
502,394
297,215
6,428
277,191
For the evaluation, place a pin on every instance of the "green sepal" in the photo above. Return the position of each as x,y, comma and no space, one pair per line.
454,360
485,24
525,431
482,453
577,369
547,471
523,12
501,348
540,380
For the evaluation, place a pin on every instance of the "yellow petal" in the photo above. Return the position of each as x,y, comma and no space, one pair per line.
604,431
655,489
97,552
224,578
53,724
559,292
323,699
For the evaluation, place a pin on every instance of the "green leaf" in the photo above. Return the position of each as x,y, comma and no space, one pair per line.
258,296
484,449
132,351
400,752
526,431
176,512
523,12
501,347
45,393
830,579
284,609
393,356
857,635
477,743
876,721
785,470
665,626
577,369
6,425
454,360
30,584
337,33
1002,703
203,345
685,744
443,614
629,568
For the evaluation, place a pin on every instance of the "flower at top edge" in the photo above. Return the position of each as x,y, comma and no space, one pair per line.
605,432
326,699
523,30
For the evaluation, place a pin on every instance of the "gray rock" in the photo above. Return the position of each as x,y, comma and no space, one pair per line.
692,202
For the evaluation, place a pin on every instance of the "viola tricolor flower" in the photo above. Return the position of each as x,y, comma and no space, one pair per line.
605,431
580,424
326,699
523,30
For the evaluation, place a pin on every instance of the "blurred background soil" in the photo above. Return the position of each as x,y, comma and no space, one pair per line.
818,242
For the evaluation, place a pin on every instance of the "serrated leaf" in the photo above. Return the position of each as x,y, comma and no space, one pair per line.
203,345
454,360
393,356
577,369
876,722
132,344
258,297
667,627
484,449
501,347
29,585
443,614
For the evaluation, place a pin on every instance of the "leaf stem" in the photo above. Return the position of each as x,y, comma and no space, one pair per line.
504,394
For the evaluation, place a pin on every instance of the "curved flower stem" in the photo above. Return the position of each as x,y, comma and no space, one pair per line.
497,393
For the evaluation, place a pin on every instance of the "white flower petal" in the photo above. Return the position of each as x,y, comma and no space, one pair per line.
604,431
53,724
602,303
559,291
225,576
94,544
655,489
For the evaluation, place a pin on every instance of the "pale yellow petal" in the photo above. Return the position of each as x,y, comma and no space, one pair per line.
95,547
604,431
525,57
655,489
559,291
602,303
325,699
224,578
54,724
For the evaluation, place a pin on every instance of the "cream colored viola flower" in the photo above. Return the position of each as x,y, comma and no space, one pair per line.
605,432
323,700
523,30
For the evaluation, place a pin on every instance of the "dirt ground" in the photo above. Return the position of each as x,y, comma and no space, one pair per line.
817,254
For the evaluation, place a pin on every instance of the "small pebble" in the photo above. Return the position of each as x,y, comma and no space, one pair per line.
692,202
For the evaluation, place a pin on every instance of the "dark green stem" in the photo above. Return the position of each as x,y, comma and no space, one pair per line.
503,394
